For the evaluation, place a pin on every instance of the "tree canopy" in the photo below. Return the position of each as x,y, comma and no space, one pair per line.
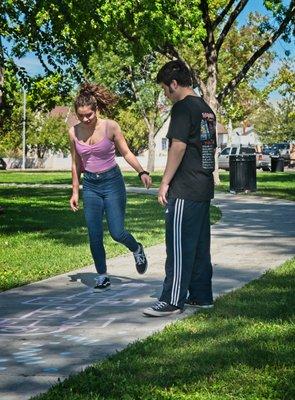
224,56
64,33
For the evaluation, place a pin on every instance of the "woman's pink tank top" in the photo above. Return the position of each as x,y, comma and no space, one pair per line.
97,157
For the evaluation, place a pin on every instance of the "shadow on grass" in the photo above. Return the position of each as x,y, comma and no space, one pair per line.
131,179
47,211
282,193
281,185
242,350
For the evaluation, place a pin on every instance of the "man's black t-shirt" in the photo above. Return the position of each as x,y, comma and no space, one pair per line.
194,123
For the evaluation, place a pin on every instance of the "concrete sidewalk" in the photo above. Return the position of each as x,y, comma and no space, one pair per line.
58,326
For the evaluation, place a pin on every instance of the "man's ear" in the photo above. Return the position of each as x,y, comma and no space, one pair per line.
174,84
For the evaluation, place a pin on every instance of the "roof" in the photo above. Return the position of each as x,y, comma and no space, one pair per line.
221,129
66,112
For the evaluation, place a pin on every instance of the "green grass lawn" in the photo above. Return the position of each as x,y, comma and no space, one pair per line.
62,177
40,236
241,350
281,184
38,177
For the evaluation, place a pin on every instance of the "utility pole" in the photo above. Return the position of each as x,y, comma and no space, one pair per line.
24,129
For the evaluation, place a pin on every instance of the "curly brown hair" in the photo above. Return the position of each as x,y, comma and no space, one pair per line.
96,96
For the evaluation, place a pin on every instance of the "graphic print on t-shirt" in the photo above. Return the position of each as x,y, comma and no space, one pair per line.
208,140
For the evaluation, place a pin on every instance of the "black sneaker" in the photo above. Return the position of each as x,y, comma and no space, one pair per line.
140,260
102,282
161,309
198,304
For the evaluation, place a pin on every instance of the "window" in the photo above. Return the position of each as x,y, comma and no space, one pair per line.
225,152
234,150
247,150
164,143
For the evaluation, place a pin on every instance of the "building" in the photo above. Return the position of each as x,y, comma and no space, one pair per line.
161,142
66,112
245,135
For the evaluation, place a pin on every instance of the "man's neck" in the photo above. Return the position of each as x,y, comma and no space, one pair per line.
186,91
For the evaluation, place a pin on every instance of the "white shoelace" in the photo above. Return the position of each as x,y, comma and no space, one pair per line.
139,258
99,280
159,305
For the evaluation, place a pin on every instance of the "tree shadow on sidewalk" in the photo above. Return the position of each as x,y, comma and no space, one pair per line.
243,349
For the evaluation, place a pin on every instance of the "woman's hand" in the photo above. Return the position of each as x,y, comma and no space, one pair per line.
146,180
74,202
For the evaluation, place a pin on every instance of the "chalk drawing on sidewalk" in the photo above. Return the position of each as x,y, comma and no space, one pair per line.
59,314
3,361
65,353
81,340
50,369
60,317
29,355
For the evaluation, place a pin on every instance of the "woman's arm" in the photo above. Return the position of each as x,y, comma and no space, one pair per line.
76,172
124,150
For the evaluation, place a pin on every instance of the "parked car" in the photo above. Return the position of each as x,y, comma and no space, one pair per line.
223,158
264,159
3,164
281,149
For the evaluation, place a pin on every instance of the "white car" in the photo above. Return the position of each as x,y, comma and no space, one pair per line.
264,160
223,158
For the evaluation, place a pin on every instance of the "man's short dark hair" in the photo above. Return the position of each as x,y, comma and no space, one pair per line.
175,70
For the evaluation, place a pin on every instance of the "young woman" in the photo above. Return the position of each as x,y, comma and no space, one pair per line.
93,143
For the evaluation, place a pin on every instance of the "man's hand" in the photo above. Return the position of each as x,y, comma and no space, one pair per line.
146,180
162,194
74,202
175,155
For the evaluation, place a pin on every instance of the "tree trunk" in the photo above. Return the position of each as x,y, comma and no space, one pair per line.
1,84
210,97
211,55
39,151
230,132
151,148
216,170
1,73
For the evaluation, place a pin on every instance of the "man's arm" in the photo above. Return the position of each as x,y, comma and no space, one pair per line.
175,155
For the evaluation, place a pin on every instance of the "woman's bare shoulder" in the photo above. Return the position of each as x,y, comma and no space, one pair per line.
74,131
113,126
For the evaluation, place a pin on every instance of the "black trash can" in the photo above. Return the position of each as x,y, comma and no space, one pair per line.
277,164
242,173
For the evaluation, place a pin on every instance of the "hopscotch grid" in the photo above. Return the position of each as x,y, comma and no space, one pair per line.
55,315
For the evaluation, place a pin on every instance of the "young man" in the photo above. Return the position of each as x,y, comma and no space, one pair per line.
186,190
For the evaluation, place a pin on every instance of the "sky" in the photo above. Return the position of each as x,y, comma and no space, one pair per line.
279,46
33,66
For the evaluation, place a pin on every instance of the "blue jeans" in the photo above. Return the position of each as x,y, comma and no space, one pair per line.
105,193
188,264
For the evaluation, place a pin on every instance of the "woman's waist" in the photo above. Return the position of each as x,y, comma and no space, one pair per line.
101,173
98,165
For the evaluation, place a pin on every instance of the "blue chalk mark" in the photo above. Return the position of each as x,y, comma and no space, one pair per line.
35,362
65,353
50,369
